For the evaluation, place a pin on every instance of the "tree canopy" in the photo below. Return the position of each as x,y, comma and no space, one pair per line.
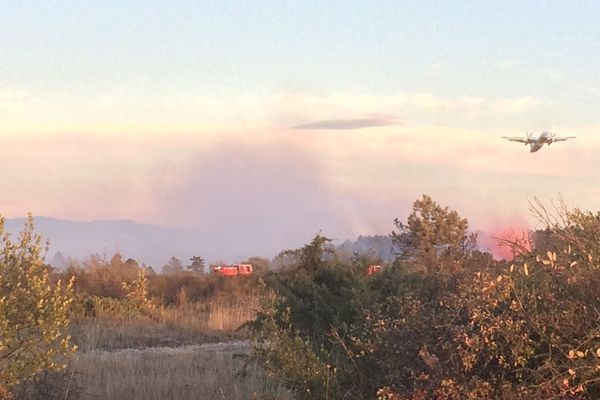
430,232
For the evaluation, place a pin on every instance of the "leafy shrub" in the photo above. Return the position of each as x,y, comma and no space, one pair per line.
33,313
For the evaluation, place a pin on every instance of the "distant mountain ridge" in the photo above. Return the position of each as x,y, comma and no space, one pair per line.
154,245
151,244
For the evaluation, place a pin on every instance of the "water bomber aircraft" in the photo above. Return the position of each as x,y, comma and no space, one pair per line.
537,143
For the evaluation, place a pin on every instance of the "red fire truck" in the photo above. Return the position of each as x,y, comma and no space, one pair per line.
232,270
373,269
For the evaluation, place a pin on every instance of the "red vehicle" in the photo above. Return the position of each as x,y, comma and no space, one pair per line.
373,269
232,270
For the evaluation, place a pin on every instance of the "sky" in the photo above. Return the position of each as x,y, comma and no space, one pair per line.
286,118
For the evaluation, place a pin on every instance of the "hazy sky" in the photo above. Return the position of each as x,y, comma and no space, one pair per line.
288,117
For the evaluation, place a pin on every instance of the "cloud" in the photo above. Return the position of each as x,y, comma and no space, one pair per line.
345,112
514,105
37,113
431,102
348,123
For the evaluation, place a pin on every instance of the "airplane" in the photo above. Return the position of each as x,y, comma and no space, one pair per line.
537,143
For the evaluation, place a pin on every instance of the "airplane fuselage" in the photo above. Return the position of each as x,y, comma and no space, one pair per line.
543,139
533,147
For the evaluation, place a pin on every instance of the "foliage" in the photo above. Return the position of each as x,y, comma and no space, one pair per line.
421,330
317,297
33,313
574,228
174,266
99,277
104,281
260,265
198,264
319,291
432,233
137,291
291,357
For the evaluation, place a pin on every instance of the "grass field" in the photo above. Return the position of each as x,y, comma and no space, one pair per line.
190,352
210,371
164,327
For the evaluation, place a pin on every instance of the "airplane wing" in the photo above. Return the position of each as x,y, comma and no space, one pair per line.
518,139
562,139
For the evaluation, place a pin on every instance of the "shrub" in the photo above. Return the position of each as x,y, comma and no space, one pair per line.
33,313
442,325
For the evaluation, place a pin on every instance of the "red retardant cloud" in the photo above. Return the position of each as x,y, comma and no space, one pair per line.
498,241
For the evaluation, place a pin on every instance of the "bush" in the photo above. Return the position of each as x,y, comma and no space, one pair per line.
33,313
441,324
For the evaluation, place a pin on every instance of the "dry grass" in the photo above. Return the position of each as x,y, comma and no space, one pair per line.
213,316
163,353
200,372
186,324
210,371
